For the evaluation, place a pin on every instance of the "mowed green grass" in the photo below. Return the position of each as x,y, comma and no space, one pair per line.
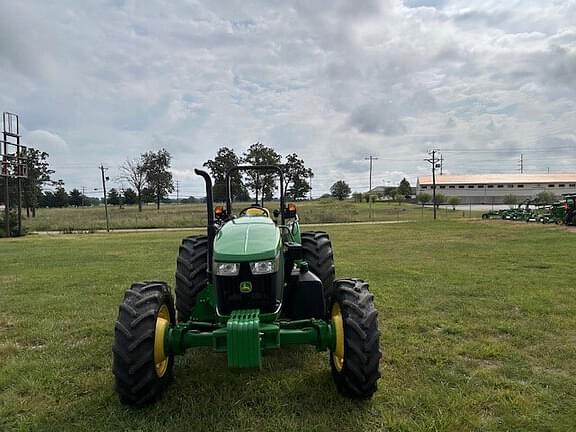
194,215
478,325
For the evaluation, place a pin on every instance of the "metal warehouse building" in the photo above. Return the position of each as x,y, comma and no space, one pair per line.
493,188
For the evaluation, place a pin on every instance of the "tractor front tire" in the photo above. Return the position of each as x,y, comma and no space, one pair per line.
356,357
140,366
317,249
191,274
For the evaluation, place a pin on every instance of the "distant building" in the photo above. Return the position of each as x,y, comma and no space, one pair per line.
493,188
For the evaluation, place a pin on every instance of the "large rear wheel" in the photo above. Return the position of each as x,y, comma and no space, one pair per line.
191,274
317,249
141,367
356,357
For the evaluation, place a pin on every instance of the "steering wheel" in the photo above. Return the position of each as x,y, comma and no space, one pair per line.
258,211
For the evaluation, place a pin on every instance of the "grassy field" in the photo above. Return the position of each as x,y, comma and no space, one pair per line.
478,326
194,215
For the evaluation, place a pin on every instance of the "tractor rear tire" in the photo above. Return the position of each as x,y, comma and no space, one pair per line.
191,274
317,249
355,370
140,376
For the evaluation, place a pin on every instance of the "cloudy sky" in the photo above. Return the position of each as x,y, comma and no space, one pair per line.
335,82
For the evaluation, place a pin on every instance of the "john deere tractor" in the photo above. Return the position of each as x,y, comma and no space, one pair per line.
569,209
254,283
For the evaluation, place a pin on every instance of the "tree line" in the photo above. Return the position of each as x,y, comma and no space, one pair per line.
262,185
149,180
149,177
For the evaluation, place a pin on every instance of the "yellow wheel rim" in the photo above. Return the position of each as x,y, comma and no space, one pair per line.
338,325
162,324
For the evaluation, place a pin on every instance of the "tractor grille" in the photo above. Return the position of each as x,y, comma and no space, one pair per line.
265,295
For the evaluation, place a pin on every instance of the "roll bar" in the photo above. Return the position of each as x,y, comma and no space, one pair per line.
254,168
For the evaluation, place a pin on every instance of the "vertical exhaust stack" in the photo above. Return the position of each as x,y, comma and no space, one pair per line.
210,225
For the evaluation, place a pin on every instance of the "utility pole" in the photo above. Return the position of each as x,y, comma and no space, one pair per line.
521,163
83,196
177,192
434,161
370,158
102,169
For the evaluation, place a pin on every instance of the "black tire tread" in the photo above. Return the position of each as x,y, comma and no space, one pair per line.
191,274
133,350
359,376
317,251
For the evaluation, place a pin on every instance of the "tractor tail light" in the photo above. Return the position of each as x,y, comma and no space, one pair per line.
290,211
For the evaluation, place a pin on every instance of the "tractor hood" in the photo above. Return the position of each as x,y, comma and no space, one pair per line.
248,238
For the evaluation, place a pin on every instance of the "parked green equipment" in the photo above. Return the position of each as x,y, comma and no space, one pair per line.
493,214
254,283
570,209
554,214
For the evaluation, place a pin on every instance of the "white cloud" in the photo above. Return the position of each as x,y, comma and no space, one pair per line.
109,80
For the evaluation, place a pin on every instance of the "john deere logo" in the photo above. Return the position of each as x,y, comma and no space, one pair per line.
245,287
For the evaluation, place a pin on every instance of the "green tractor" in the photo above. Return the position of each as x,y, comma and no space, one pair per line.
554,213
570,209
254,283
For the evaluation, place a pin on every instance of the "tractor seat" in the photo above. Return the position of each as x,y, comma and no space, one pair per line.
254,211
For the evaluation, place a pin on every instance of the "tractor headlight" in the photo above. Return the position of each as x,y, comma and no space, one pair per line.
264,267
226,269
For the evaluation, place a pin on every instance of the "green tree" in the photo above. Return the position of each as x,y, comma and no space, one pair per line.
390,192
61,198
13,219
261,183
224,160
39,173
404,188
340,190
399,197
423,198
440,199
156,167
47,199
546,197
454,201
296,175
76,198
148,195
113,197
133,172
130,197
